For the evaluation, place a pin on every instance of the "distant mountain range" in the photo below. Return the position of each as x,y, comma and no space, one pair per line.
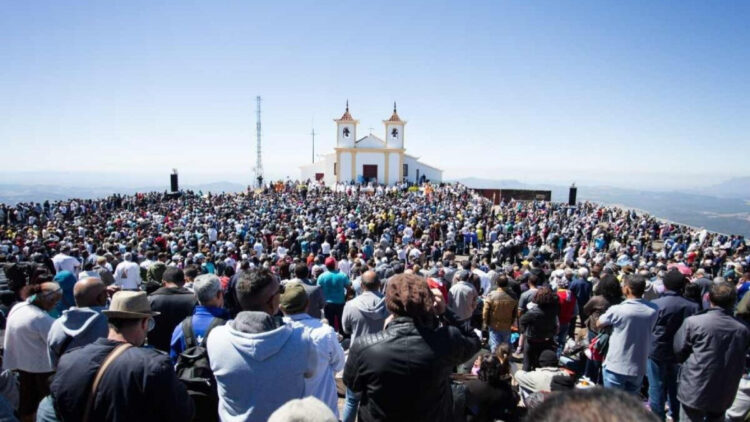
723,208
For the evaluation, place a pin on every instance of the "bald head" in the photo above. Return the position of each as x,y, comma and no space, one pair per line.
89,292
370,281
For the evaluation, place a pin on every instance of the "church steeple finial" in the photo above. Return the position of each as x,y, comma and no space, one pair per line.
394,117
346,117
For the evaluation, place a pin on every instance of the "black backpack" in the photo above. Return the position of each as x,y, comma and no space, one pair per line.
194,370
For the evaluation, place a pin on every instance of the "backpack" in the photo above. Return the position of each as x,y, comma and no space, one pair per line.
193,370
599,347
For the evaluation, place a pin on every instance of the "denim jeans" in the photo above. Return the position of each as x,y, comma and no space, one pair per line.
628,383
562,337
351,405
662,386
497,338
46,411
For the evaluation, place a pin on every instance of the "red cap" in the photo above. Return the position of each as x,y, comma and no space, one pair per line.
330,262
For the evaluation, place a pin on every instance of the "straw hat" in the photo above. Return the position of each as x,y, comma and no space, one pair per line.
130,305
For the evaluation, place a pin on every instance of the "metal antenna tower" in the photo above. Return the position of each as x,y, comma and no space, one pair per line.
258,158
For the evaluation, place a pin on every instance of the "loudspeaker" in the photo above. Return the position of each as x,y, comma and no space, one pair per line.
572,195
173,182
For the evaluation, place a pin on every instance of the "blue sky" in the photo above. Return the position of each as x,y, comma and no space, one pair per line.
647,94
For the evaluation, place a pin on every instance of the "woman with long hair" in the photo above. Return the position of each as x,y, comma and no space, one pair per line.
540,326
607,293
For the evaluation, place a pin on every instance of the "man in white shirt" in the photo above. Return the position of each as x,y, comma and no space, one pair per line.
64,262
325,248
330,353
128,273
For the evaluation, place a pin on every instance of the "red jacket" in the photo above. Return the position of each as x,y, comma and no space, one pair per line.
567,305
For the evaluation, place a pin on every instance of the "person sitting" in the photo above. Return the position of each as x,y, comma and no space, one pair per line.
491,397
540,379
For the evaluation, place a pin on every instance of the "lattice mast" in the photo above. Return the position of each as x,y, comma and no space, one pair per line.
258,158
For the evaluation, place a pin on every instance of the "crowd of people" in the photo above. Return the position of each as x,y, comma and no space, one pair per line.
412,303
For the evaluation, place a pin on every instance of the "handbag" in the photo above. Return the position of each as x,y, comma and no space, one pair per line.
117,351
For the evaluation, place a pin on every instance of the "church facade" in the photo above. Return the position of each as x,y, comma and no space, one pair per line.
370,158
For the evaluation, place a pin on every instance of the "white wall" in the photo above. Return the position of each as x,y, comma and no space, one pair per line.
375,158
345,167
393,169
430,173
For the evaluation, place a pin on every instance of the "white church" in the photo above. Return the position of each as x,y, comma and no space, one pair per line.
370,159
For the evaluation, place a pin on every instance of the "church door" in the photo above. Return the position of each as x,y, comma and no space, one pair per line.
370,172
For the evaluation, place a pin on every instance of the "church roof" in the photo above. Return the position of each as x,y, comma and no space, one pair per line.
346,117
394,116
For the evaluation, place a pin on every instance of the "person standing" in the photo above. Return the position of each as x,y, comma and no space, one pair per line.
499,313
174,303
365,314
464,296
632,323
25,345
128,274
314,292
334,284
330,353
662,366
256,345
711,346
137,383
403,373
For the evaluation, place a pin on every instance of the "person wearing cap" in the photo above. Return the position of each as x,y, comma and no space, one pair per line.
463,296
662,367
174,303
25,344
294,304
138,384
334,284
540,378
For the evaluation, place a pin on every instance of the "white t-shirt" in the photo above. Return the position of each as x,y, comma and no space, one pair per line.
128,275
325,248
64,262
26,339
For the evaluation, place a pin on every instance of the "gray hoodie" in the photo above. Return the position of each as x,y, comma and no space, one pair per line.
365,314
76,327
259,363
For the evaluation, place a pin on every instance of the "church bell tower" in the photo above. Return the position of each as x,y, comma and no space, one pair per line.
346,129
394,130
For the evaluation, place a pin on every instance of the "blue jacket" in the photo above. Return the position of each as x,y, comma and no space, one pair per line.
201,319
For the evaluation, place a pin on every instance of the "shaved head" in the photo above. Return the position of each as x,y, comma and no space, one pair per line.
89,292
370,281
